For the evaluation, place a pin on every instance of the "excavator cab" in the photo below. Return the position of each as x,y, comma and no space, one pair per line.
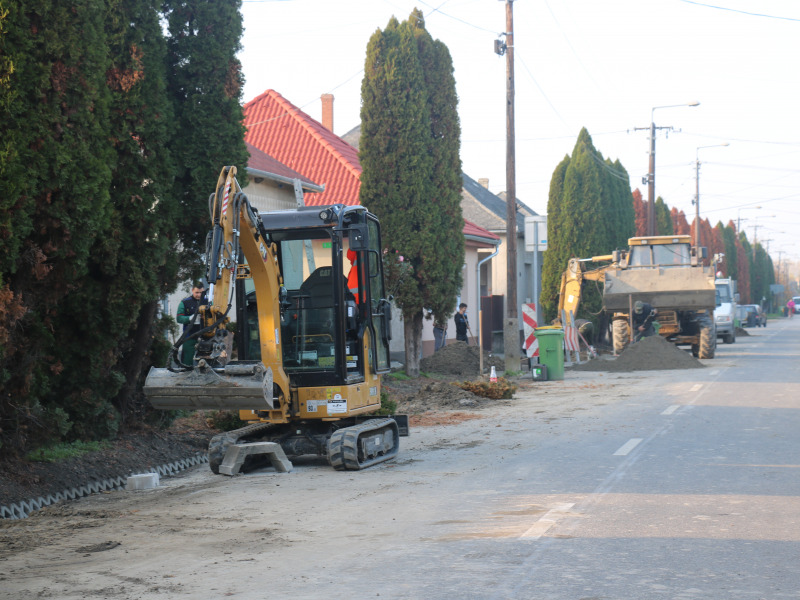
332,322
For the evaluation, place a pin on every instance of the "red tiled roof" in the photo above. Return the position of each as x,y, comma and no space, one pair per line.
476,230
280,129
264,162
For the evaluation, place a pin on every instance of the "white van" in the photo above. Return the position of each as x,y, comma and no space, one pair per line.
725,312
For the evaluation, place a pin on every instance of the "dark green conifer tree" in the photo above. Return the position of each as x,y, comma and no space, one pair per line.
729,243
441,276
411,176
589,213
205,86
133,264
663,218
56,169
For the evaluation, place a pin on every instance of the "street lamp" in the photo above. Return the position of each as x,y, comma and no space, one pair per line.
697,239
651,174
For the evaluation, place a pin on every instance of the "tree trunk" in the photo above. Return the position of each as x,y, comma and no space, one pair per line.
132,364
412,328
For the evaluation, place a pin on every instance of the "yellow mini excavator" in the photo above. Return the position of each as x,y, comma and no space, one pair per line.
313,331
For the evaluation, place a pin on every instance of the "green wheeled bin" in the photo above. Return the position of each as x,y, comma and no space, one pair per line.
551,350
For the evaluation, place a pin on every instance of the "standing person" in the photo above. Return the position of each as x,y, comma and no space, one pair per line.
439,335
461,323
186,310
643,315
790,306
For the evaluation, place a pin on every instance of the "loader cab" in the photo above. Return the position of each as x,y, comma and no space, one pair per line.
334,325
661,251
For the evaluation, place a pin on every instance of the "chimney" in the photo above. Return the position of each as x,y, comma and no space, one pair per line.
327,111
484,182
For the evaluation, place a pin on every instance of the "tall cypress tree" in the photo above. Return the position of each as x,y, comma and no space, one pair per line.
205,86
663,218
411,170
729,243
441,273
55,192
133,263
590,212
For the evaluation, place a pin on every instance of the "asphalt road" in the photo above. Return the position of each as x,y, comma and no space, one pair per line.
661,484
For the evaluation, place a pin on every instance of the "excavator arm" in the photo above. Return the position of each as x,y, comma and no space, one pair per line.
211,382
572,281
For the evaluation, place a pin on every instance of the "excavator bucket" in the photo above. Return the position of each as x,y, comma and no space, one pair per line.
236,386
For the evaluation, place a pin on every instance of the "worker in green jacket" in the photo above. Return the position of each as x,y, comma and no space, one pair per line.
186,311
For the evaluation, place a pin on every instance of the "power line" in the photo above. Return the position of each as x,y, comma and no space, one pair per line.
739,166
478,27
536,83
732,139
743,12
613,172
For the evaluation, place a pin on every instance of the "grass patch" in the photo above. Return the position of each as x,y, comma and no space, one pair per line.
398,376
65,451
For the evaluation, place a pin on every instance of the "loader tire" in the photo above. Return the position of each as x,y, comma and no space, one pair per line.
620,334
708,339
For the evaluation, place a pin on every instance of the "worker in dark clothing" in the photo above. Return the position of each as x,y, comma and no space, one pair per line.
186,311
439,335
643,317
462,324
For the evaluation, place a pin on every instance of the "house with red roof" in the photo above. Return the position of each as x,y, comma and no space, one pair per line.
278,130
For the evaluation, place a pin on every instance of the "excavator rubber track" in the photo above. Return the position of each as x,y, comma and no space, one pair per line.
364,445
220,443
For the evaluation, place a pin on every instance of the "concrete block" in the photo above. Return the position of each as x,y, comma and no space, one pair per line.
236,453
144,481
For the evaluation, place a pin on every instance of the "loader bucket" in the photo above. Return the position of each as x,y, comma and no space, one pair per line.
661,287
237,386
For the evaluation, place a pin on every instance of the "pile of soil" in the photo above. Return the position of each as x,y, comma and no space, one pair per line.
436,395
460,360
131,453
741,332
652,353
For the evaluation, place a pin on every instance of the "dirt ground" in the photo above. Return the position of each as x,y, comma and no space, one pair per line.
188,537
430,400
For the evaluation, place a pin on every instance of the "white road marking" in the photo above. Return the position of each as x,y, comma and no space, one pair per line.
628,446
696,387
546,521
671,409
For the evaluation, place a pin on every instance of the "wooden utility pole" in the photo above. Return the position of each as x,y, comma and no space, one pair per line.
511,341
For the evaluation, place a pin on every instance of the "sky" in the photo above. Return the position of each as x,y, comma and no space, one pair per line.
612,67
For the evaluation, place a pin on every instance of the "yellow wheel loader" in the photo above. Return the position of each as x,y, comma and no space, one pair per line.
313,331
663,271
